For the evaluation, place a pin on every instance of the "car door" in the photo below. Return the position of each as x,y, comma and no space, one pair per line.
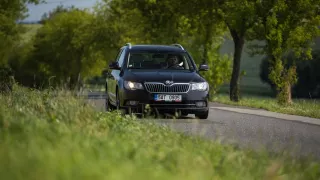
114,77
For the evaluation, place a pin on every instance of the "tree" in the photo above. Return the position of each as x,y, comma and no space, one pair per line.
203,33
11,12
144,21
239,16
308,75
287,26
190,23
67,48
124,23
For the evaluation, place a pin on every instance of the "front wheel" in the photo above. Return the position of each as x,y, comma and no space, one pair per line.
202,115
118,107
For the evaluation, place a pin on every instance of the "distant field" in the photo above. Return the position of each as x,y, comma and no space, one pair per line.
31,30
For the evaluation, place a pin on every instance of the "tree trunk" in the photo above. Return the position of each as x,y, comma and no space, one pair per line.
284,95
288,78
234,83
208,36
289,96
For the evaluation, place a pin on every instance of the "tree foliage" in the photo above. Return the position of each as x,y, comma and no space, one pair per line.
143,21
191,24
239,16
11,11
75,42
287,26
66,46
220,70
308,75
59,9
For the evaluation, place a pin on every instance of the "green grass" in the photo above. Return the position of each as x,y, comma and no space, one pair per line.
302,107
51,135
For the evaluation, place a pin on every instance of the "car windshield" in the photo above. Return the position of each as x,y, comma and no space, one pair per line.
159,60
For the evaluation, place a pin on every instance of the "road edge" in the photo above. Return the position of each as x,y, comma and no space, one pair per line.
265,113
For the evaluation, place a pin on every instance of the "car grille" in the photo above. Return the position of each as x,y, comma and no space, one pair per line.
162,88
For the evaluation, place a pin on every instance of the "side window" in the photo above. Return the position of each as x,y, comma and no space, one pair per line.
121,58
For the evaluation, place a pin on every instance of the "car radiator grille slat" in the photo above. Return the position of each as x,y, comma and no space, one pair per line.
162,88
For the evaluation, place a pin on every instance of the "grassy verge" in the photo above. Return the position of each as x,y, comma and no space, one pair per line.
309,108
50,135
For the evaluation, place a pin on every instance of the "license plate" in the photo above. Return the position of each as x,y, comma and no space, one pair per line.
167,98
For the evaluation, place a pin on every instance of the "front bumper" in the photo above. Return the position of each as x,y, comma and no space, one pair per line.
144,98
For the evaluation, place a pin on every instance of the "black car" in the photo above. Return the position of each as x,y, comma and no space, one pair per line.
162,77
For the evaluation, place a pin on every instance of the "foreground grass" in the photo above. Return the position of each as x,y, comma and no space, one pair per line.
309,108
50,135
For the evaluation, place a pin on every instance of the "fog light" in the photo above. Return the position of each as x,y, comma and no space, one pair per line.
132,103
201,104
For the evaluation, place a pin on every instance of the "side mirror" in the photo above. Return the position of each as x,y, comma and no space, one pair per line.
114,65
104,73
203,67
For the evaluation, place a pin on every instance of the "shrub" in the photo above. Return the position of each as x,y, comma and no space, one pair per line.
5,79
219,71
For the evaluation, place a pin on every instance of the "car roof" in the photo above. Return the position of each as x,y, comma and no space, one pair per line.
158,48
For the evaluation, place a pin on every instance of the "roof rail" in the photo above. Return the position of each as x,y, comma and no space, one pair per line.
129,45
178,45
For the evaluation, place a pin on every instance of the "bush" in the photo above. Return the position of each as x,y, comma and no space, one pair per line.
26,69
219,70
308,85
6,82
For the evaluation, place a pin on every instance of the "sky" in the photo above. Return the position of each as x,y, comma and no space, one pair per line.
36,11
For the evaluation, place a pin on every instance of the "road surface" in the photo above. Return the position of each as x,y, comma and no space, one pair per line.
249,128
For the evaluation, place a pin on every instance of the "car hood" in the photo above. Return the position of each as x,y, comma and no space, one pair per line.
162,76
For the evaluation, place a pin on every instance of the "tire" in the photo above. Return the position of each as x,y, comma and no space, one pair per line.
108,105
117,100
202,115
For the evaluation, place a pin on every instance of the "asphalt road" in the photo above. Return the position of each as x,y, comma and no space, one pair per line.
249,128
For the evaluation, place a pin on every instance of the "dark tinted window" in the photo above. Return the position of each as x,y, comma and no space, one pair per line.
156,60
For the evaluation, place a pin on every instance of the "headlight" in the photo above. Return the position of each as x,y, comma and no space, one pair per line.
200,86
132,85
